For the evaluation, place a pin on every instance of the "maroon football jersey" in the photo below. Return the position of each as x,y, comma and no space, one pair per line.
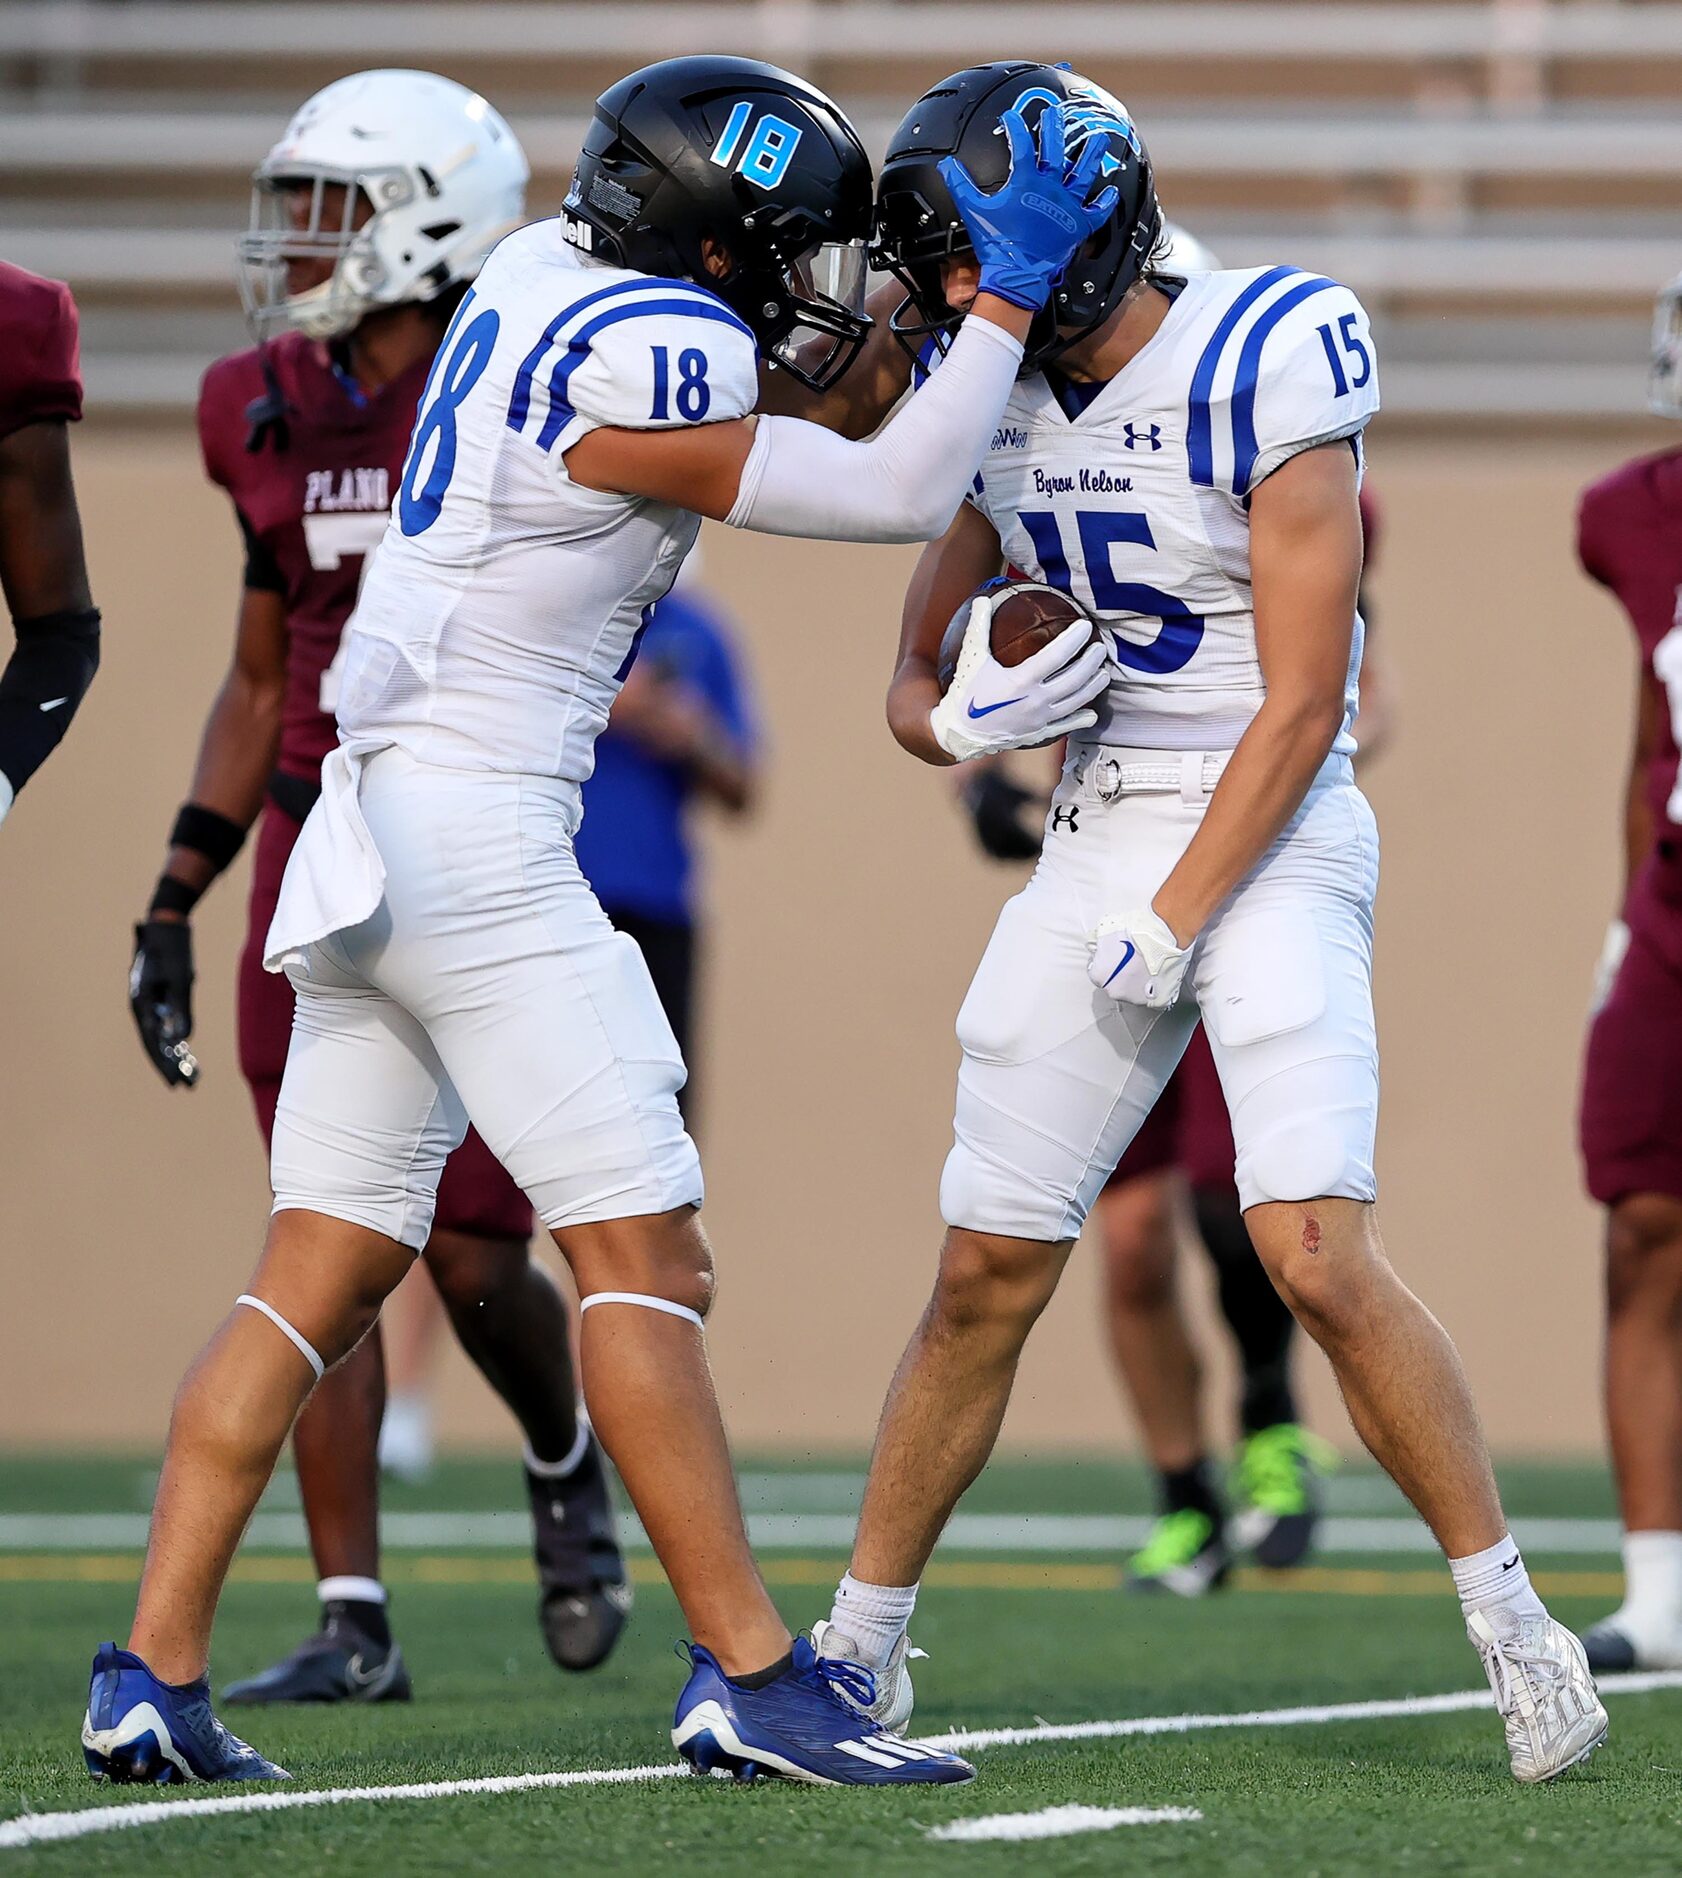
40,367
1629,538
312,511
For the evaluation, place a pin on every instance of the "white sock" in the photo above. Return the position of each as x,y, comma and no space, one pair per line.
406,1434
1653,1580
1495,1580
874,1616
349,1590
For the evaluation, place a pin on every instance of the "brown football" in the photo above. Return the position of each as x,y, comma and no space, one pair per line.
1026,617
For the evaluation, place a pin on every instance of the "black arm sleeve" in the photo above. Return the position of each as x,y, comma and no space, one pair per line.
45,679
262,570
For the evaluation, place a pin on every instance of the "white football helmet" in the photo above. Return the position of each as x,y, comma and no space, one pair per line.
1183,254
443,174
1664,375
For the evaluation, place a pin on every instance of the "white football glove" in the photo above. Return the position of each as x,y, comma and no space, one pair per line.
990,707
1612,950
1137,960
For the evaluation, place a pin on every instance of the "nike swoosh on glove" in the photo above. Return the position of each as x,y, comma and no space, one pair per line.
990,707
1137,960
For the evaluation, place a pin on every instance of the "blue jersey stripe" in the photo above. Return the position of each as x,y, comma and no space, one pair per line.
1199,427
1244,447
519,405
578,350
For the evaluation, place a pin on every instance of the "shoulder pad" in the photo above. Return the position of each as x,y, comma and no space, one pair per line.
40,364
649,354
1289,363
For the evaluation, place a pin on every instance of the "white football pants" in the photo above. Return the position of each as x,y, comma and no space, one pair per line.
1056,1077
488,986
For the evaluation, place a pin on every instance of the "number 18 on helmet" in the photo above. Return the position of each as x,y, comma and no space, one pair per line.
757,162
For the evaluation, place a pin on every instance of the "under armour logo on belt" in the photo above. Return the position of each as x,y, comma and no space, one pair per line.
1150,434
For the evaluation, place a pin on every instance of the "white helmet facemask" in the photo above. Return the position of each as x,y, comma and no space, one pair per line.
429,170
1664,377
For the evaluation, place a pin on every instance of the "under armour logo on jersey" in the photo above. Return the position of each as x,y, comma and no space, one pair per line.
1136,434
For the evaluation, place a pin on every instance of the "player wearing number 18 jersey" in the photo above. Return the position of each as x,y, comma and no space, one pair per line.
1183,455
306,434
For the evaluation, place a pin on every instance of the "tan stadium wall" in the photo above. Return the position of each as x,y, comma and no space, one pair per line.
847,918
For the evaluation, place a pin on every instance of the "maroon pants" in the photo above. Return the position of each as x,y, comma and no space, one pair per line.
1189,1128
1630,1120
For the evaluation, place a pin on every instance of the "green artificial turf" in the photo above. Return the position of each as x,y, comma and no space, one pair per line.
1421,1794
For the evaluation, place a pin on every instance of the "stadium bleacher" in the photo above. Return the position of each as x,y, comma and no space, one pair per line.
1458,164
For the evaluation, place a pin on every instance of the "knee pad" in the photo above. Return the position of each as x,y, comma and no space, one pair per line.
983,1195
358,1178
1316,1147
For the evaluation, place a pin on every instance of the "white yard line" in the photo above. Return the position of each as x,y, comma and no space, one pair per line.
1060,1822
997,1533
968,1741
54,1828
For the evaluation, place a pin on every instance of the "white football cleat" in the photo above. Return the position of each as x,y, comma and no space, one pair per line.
1544,1693
894,1695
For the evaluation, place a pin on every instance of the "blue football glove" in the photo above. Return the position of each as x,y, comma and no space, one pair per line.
1029,229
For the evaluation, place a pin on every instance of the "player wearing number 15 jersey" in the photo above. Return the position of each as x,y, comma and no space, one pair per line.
592,399
306,434
1183,455
1629,536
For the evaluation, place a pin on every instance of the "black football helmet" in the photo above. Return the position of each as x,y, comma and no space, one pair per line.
918,224
761,162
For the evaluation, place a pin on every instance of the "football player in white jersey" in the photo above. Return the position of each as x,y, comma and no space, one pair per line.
1183,456
591,400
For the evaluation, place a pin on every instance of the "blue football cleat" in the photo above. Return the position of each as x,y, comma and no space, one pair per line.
140,1729
800,1727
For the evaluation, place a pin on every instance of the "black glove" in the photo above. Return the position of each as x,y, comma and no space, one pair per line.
160,993
996,806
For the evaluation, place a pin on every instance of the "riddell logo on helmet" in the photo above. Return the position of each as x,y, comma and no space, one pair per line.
580,234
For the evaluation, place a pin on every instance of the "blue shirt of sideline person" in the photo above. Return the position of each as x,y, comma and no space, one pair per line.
682,730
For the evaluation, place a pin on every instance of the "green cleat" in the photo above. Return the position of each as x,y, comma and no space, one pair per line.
1185,1554
1276,1484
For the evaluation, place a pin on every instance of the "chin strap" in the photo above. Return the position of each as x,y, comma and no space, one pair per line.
270,415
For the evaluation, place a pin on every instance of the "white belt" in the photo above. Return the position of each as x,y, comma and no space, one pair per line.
1103,775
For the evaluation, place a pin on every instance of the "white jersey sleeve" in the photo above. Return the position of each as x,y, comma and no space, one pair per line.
658,364
1291,365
